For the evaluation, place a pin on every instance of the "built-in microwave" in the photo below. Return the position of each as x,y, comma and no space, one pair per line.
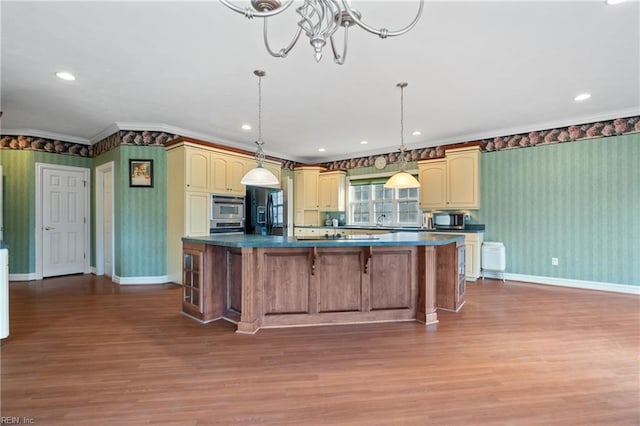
227,213
448,220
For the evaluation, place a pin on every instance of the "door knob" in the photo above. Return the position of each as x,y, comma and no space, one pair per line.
49,228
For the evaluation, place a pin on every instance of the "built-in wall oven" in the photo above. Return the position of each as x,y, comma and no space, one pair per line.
227,214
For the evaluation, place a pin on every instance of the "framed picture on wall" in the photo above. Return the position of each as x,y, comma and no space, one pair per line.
141,173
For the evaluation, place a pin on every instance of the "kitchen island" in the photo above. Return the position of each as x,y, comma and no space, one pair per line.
267,281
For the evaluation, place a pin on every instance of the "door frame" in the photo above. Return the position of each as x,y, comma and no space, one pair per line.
100,175
86,177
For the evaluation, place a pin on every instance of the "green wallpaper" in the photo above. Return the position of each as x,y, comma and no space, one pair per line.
19,169
575,201
140,213
141,216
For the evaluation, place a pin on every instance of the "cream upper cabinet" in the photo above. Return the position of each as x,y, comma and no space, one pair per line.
452,182
196,168
331,191
433,177
463,178
226,173
305,201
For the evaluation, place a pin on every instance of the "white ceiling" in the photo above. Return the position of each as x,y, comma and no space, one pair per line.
475,69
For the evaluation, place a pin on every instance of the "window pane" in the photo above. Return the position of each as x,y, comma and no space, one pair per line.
408,193
367,204
360,193
382,193
383,208
407,212
360,213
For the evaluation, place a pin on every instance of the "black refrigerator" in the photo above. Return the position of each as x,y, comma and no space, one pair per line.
265,211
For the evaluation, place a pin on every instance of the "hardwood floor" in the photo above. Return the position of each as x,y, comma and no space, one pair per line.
83,351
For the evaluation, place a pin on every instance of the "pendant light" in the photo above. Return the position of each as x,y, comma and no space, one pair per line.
402,179
259,176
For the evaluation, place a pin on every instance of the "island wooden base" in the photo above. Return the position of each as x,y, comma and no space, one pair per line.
287,287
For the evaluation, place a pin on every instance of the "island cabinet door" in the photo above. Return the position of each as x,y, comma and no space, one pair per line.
192,280
339,279
285,276
392,278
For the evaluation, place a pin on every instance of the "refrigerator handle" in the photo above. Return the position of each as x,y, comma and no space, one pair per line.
269,214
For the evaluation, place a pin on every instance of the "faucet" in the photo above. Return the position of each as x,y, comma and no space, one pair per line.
380,219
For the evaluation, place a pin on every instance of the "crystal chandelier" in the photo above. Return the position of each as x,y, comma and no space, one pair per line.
319,19
402,179
259,176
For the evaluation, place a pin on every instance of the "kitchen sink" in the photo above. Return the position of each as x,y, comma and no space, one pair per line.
335,238
361,237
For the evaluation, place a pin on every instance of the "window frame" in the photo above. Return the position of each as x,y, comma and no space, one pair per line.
371,202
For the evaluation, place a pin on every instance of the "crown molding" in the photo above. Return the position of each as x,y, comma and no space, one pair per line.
108,131
511,131
46,135
166,128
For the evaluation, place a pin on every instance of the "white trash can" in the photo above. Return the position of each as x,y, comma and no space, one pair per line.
493,258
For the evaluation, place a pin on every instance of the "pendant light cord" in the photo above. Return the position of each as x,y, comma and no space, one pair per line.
259,153
259,108
403,159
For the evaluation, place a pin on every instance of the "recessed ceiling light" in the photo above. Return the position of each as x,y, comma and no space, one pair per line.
65,75
363,142
582,97
417,133
246,127
615,1
321,149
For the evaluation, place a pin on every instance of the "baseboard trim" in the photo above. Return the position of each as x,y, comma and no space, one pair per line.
162,279
22,277
565,282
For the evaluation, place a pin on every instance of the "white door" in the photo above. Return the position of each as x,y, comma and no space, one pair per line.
64,221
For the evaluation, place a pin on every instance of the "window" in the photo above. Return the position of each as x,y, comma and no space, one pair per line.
373,204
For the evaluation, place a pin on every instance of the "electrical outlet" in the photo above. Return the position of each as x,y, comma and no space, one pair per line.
554,261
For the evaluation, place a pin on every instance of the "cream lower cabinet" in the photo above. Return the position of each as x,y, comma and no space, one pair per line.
472,244
452,182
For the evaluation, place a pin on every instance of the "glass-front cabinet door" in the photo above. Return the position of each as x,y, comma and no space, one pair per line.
192,278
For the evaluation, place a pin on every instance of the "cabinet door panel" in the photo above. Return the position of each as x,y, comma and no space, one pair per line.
219,182
433,185
340,283
197,213
462,181
197,173
326,187
286,282
235,172
391,278
310,191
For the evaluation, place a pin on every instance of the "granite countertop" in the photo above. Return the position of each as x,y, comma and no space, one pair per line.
469,228
391,239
